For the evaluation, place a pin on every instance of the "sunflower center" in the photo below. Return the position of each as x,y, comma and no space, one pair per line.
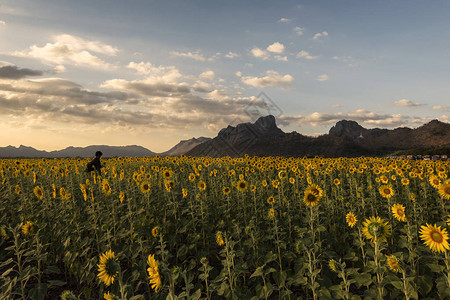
436,237
112,267
387,191
375,229
447,190
311,197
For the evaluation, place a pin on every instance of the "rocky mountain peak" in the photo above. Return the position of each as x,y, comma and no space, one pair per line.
346,128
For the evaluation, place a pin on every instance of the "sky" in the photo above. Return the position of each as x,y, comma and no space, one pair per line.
152,73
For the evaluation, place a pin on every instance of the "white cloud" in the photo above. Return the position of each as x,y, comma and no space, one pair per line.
282,58
196,55
337,105
161,74
305,54
2,22
231,55
141,67
319,35
272,78
284,20
256,52
361,116
59,69
71,49
238,73
208,75
276,48
406,103
323,77
441,107
298,30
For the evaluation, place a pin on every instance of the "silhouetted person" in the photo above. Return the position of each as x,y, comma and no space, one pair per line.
95,163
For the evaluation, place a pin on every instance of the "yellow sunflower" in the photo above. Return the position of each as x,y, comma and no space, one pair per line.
405,181
375,227
336,182
226,190
17,189
201,185
185,192
386,191
252,188
311,199
28,228
434,181
108,268
291,180
121,197
153,273
282,174
219,238
155,231
272,213
351,219
108,296
242,185
271,200
169,184
167,174
38,192
145,187
393,263
106,188
434,237
191,177
444,190
398,211
314,189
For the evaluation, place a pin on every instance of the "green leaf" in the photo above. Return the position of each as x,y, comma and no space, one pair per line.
57,282
258,272
363,279
196,295
435,268
39,292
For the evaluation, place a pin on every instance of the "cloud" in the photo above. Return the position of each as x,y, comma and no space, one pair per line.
208,75
196,55
305,54
298,30
71,50
441,107
13,72
282,58
275,48
319,35
272,78
284,20
231,55
323,77
2,22
161,74
256,52
406,103
361,116
238,73
59,69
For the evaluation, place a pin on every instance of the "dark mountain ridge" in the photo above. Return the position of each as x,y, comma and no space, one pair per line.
346,138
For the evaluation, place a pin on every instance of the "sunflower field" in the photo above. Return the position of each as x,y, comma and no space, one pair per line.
225,228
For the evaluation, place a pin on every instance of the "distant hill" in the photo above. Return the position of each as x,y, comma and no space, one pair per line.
346,139
184,146
89,151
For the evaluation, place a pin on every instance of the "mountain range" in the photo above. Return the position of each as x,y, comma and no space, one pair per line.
264,138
